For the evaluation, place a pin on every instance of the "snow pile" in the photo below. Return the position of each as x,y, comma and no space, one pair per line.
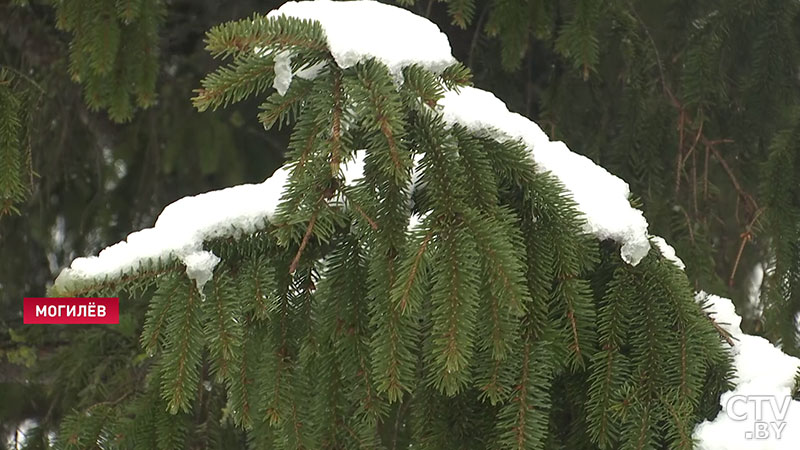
601,196
358,31
759,413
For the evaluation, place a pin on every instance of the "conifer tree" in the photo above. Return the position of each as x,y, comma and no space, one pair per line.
446,296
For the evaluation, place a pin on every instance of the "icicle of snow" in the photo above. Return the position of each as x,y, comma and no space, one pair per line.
283,72
357,31
668,252
760,406
200,267
600,196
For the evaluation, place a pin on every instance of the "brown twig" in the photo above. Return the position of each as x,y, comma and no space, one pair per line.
746,236
474,42
336,132
722,332
694,183
355,206
688,225
679,157
705,175
696,140
304,242
712,146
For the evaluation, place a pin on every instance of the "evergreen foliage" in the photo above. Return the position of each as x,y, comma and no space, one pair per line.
783,215
494,322
113,52
12,187
16,172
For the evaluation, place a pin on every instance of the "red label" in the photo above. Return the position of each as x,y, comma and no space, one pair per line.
71,310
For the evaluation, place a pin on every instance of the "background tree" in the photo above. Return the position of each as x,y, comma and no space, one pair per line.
689,102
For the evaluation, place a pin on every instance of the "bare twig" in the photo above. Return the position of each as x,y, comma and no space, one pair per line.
304,242
712,146
746,236
679,157
722,332
22,75
696,140
355,206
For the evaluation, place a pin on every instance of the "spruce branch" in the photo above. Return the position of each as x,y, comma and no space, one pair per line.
336,122
266,33
282,109
247,75
180,362
411,277
354,204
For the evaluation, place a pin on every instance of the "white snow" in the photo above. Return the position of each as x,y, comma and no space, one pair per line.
601,196
760,406
416,220
357,31
668,252
283,72
309,72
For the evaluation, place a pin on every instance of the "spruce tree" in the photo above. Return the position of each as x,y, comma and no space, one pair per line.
447,296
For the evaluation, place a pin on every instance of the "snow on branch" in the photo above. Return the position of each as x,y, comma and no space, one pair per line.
357,31
180,231
762,399
600,196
